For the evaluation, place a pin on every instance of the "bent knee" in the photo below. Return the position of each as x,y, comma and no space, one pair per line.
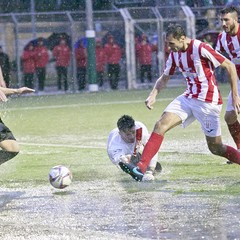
160,127
230,117
10,146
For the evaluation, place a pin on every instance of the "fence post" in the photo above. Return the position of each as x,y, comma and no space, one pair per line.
90,35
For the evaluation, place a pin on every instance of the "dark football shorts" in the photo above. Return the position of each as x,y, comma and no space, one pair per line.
5,132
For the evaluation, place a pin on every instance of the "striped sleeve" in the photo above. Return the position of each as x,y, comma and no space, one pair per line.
170,65
215,57
219,46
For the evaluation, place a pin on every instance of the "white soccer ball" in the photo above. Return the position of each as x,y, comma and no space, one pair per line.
60,177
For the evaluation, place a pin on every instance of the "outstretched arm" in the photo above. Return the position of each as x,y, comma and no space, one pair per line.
159,85
11,91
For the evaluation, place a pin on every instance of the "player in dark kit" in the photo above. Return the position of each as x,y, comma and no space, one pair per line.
8,143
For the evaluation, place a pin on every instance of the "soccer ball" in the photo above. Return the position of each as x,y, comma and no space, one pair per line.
60,177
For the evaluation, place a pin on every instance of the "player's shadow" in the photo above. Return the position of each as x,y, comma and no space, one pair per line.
63,192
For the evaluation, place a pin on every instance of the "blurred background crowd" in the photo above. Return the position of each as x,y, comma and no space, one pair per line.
43,43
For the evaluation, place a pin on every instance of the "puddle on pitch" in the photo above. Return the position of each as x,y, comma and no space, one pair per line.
103,210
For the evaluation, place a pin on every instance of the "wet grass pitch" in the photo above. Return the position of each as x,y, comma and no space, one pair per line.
195,197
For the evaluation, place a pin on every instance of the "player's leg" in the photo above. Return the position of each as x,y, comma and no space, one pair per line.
233,126
177,112
216,147
209,117
8,143
10,149
232,120
166,122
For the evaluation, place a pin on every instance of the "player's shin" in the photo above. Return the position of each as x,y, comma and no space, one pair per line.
234,130
232,154
150,149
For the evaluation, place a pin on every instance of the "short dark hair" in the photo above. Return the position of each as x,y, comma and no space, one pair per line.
176,31
125,122
230,9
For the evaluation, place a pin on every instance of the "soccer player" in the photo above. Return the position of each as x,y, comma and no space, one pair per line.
201,100
229,42
126,142
8,143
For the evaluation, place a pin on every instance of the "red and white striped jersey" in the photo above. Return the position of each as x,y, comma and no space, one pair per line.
230,44
197,65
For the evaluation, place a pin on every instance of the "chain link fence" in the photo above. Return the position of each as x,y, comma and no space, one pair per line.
17,29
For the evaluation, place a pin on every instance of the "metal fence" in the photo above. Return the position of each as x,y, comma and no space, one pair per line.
18,29
153,21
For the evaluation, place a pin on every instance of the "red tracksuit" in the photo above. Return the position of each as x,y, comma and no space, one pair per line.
113,54
28,64
41,56
81,62
62,55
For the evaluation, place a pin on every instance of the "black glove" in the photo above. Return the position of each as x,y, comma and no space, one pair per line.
135,158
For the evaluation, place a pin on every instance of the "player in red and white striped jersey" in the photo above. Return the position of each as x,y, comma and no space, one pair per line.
201,100
229,42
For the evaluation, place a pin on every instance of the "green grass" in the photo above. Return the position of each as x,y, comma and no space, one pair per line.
72,130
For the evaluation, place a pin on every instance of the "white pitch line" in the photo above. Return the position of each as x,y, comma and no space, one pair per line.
61,145
77,105
163,150
86,104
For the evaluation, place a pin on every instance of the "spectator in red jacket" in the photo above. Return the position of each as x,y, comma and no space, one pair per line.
41,63
28,65
144,52
62,53
81,61
114,55
100,61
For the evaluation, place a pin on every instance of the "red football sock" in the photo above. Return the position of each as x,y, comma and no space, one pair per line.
234,130
150,149
232,154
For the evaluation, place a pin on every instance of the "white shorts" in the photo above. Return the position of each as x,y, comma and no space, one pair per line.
189,109
229,106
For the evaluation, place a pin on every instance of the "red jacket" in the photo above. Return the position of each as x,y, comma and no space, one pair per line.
113,53
100,58
81,57
62,55
41,56
144,53
28,61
